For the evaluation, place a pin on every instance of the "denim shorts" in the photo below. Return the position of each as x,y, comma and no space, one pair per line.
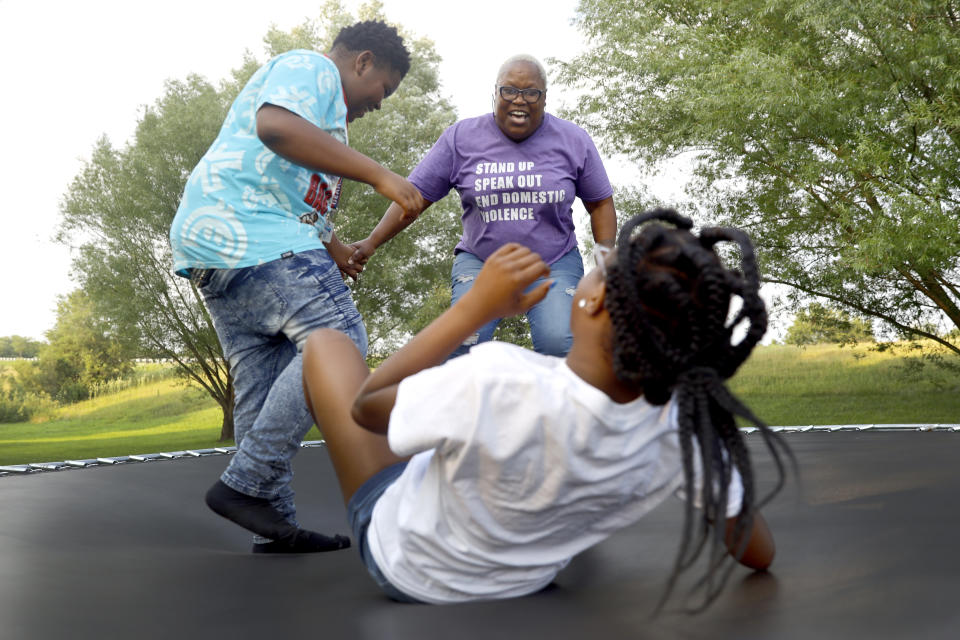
359,513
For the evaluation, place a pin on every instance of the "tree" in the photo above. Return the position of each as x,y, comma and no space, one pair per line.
81,353
19,347
118,211
407,282
817,324
829,130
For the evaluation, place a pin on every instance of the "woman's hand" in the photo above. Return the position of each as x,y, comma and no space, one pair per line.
499,290
362,251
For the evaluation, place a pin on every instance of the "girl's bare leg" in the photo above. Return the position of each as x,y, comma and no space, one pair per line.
333,371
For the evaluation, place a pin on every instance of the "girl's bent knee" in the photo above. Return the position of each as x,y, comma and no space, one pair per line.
329,352
322,339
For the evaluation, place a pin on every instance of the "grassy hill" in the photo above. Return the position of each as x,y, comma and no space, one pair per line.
784,386
826,384
159,416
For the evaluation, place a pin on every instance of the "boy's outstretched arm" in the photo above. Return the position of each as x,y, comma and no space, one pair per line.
497,292
760,548
291,137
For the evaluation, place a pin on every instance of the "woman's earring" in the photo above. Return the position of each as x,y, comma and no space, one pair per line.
583,303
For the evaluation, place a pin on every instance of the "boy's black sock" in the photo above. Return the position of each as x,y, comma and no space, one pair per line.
304,542
254,514
260,517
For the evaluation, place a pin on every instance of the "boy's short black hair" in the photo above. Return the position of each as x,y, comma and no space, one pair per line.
378,37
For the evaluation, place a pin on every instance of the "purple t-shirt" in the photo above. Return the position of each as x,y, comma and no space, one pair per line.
514,191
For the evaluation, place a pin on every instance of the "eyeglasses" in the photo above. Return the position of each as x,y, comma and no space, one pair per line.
600,253
529,95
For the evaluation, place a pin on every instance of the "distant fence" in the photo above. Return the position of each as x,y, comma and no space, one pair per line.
22,469
138,360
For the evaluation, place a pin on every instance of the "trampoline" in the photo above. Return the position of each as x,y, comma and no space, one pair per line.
867,546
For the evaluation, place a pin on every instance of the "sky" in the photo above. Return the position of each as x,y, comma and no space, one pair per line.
74,71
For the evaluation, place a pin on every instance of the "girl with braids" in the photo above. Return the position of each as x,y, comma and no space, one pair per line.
481,477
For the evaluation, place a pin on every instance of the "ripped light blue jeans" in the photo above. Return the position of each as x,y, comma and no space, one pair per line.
549,319
263,315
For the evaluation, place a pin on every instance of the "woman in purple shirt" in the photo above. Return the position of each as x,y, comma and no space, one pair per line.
518,171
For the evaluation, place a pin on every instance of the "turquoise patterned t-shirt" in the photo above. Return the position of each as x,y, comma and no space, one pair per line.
243,204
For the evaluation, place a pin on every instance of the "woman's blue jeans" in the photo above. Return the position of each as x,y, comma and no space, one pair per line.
263,315
549,319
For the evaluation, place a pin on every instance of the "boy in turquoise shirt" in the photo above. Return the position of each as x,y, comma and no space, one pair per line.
253,232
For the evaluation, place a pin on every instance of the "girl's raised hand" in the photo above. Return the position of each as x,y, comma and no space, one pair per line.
499,290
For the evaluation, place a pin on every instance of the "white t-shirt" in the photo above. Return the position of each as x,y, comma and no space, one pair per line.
519,466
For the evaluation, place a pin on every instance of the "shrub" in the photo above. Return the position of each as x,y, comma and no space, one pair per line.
11,408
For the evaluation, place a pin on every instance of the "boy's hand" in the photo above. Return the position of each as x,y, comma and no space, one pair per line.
401,191
341,254
498,291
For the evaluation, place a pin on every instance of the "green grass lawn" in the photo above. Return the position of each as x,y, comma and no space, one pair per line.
826,384
158,416
783,385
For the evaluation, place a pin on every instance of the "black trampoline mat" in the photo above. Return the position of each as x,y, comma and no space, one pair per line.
867,548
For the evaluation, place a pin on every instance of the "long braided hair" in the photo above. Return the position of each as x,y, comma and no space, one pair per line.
669,298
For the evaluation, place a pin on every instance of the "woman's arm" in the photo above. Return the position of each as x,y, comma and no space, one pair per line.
394,221
498,292
603,221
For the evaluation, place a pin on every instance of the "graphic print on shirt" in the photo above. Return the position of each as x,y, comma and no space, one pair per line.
217,160
259,193
269,193
510,191
242,116
216,226
318,197
323,200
